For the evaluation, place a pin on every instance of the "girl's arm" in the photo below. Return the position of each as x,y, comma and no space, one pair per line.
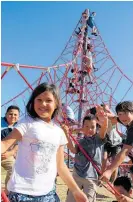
66,176
69,144
9,153
10,140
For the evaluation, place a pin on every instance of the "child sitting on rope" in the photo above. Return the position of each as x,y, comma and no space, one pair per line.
74,69
91,24
83,23
84,173
123,185
88,62
72,86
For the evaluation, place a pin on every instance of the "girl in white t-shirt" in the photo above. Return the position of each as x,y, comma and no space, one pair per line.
40,151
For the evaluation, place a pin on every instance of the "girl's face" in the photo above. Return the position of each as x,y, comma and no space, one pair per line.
125,117
45,105
89,128
12,116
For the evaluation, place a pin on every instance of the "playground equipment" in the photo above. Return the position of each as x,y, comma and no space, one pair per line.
85,77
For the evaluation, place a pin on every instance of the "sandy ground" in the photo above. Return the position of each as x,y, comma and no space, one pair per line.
103,195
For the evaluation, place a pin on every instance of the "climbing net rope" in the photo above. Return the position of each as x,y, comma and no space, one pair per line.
107,80
108,85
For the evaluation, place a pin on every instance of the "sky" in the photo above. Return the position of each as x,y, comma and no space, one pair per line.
35,33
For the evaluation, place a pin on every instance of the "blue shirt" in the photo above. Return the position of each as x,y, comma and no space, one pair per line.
90,21
5,129
4,123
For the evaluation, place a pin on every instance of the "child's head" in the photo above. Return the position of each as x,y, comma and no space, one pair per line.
92,111
123,185
84,14
89,47
44,102
94,13
124,111
89,125
73,79
12,114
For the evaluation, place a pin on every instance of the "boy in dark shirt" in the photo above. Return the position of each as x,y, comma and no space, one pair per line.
84,173
124,111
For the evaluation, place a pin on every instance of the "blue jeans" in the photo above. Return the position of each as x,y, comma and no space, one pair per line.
17,197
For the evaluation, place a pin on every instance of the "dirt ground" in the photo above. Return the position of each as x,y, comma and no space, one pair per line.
103,195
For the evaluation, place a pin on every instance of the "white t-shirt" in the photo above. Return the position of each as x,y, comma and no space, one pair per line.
115,137
35,168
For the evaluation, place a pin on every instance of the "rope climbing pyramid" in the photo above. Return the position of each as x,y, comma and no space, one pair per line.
85,72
